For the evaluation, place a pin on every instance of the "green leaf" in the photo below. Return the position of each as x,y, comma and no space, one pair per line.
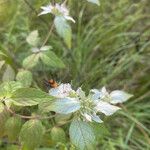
7,88
94,1
31,61
61,118
3,118
13,127
82,135
33,38
58,135
63,29
31,134
64,106
25,77
50,59
29,97
9,74
45,48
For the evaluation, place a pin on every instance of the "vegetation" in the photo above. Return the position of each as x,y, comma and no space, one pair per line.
108,45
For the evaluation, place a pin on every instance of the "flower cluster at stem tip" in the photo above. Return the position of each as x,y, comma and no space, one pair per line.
91,105
57,10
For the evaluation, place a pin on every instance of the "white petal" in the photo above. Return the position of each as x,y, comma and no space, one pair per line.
45,48
103,90
64,9
96,94
104,93
80,93
55,92
43,13
70,18
96,118
106,108
46,10
88,117
118,96
35,49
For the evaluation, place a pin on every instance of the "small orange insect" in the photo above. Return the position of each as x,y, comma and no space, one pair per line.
51,83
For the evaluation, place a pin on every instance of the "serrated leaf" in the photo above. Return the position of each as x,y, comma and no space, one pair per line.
12,127
94,1
58,135
29,97
33,38
82,135
31,134
64,106
9,74
63,29
31,61
61,118
7,88
25,77
50,59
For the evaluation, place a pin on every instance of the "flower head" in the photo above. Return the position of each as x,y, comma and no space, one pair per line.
88,107
57,10
62,91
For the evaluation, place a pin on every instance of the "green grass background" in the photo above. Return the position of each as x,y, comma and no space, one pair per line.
110,46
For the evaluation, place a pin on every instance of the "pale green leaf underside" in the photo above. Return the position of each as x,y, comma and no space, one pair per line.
63,29
82,135
64,106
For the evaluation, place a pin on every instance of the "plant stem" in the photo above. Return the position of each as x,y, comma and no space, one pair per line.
48,35
28,117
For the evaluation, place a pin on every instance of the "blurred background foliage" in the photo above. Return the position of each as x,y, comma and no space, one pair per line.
110,46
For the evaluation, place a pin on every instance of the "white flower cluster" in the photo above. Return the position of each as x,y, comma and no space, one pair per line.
97,101
57,10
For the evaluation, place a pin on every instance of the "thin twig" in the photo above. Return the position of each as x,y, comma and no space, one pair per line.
48,35
28,117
